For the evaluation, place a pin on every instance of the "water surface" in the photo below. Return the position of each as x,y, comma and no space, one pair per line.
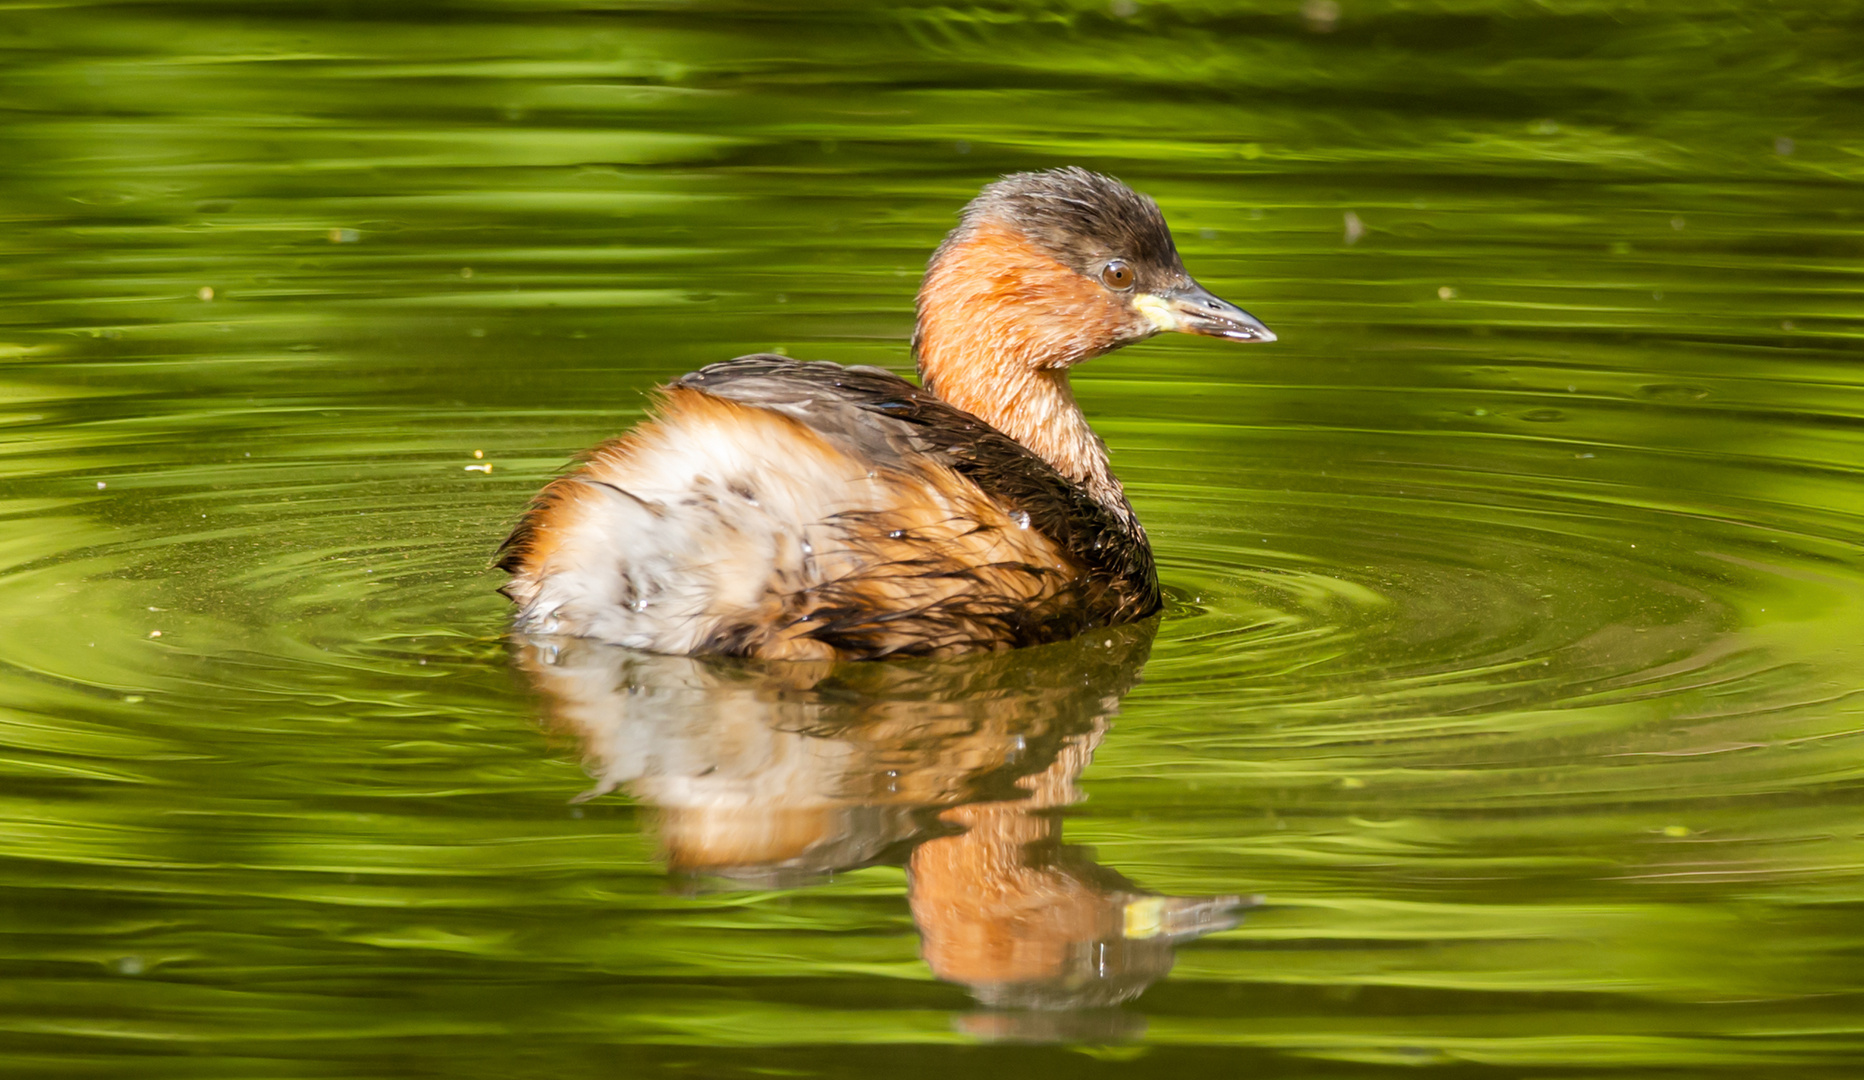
1507,720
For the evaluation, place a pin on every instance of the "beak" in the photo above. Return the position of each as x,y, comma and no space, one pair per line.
1193,310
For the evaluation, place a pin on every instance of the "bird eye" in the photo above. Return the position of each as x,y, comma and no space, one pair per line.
1117,275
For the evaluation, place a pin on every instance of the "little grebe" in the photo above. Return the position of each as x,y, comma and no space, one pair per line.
795,511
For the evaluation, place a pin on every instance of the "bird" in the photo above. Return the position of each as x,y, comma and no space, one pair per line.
777,509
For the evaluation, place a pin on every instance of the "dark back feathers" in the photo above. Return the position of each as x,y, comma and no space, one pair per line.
879,416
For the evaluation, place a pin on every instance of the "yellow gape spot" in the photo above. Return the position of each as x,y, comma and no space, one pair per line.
1156,309
1143,918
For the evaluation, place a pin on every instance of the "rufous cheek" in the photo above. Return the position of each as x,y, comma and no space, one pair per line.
1084,314
1038,309
1135,325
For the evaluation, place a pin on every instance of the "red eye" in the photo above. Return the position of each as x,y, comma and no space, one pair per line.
1117,275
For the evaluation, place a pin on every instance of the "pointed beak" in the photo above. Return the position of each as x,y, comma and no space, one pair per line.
1193,310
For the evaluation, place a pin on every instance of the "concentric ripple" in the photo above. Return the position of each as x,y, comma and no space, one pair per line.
1518,600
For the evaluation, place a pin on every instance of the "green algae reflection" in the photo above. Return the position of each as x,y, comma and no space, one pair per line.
1516,658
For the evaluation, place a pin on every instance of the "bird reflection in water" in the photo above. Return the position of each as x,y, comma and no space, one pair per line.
775,774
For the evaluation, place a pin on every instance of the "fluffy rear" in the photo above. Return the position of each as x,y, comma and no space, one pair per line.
727,528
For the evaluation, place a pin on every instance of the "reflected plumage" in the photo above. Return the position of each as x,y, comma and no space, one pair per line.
775,774
806,511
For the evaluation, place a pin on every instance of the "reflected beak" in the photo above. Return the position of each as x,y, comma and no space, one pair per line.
1193,310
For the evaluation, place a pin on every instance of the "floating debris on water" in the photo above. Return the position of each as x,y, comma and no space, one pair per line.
1321,16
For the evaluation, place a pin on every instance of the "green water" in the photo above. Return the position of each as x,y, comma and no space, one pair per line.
1517,661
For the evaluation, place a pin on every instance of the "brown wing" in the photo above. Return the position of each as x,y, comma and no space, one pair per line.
805,510
883,417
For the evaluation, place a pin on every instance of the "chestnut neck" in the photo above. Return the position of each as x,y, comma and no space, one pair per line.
1000,322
